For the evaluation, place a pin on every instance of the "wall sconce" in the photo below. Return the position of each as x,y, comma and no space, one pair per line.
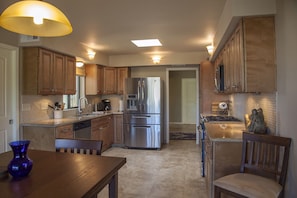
209,49
156,59
79,63
91,55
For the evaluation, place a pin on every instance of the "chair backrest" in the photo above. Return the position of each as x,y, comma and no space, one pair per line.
79,146
266,155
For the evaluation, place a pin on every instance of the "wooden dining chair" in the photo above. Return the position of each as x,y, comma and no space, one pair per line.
79,146
263,168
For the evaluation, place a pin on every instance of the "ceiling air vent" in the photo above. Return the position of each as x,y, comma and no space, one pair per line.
28,38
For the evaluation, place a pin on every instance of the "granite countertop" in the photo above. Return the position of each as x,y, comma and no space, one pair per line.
66,120
224,131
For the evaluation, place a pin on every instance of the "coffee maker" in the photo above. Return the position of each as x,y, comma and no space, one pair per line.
106,105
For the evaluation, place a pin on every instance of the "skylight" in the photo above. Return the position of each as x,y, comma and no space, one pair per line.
147,43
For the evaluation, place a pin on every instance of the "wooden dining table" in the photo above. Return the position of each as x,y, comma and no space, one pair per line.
62,175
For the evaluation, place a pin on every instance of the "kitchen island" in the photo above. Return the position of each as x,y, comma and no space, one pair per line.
223,144
42,133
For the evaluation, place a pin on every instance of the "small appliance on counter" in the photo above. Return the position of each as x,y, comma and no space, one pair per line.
106,105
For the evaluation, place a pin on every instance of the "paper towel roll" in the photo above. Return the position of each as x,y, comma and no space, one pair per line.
121,106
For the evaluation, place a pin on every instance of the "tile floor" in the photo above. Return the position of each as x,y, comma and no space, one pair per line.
172,172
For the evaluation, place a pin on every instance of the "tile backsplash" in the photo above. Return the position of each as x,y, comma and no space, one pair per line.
34,108
244,103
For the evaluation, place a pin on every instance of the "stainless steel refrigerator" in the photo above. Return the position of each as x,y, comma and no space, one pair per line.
143,113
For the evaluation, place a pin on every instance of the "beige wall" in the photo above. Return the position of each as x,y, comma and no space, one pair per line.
286,43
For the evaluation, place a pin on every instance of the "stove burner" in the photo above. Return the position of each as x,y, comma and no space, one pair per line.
221,118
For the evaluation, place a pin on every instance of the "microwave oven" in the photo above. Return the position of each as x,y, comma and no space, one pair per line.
219,78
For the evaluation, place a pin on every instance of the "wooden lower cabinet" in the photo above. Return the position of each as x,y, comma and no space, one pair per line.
102,129
43,138
118,129
222,158
65,131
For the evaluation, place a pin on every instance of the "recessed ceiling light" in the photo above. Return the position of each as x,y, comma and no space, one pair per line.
147,43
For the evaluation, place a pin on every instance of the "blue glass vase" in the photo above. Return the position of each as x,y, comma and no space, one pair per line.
20,165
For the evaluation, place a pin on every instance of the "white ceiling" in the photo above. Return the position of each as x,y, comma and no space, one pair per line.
108,26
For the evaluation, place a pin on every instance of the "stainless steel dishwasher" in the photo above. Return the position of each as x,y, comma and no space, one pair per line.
82,129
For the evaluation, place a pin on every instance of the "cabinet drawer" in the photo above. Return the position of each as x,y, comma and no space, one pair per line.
64,131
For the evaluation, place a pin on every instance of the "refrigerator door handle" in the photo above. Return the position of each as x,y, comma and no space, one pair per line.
139,126
142,91
140,117
138,90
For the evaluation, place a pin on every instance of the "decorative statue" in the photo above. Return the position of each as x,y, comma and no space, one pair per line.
257,123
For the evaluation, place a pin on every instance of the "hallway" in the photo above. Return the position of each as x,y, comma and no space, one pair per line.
172,172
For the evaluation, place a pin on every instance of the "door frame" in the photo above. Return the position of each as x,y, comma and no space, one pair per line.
196,69
15,94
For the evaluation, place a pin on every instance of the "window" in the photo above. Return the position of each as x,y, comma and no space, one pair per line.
71,101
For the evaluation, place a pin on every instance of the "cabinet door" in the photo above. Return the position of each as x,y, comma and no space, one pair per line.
70,76
95,129
259,42
238,60
91,79
100,77
106,131
58,74
109,85
118,129
45,70
65,132
122,74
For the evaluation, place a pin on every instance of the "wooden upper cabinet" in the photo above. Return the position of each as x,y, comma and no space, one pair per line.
249,56
109,80
105,80
44,72
259,42
58,74
122,74
93,79
70,76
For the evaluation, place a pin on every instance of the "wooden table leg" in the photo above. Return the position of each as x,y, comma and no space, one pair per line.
113,187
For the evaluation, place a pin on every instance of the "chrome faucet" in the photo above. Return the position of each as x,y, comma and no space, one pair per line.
79,104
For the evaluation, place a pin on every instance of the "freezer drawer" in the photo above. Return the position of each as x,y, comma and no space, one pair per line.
142,136
142,119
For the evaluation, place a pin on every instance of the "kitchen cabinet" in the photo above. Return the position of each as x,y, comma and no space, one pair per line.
95,129
122,74
118,129
109,80
65,132
249,56
43,137
102,129
70,76
223,145
44,72
94,75
100,80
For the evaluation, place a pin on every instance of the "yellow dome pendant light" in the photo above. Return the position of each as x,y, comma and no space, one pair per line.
36,18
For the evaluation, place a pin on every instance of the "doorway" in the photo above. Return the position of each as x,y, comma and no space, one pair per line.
182,103
9,94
